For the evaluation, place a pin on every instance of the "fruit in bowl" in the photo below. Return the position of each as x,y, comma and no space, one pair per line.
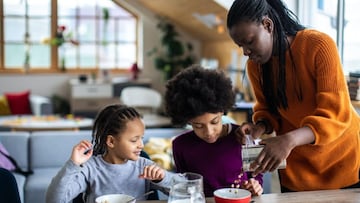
232,195
115,198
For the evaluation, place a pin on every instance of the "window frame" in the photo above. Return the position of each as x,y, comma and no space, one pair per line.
54,50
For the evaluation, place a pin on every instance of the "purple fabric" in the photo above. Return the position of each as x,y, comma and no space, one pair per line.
219,163
4,161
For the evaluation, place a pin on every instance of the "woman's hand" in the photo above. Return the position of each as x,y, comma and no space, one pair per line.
78,155
253,186
153,172
278,148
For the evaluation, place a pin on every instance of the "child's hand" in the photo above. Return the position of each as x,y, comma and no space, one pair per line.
153,172
253,186
78,155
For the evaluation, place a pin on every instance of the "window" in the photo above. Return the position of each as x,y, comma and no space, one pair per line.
326,15
77,35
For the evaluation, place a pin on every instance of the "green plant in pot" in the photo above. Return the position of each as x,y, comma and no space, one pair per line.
174,54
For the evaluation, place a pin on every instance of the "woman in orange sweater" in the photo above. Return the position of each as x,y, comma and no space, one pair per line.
301,94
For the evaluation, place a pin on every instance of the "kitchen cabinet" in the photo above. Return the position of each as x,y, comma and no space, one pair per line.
89,97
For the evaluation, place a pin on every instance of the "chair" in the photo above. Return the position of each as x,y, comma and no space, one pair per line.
148,102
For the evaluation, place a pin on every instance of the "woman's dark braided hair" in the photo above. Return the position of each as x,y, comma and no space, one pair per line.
273,79
111,121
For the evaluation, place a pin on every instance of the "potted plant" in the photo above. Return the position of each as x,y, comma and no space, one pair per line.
174,54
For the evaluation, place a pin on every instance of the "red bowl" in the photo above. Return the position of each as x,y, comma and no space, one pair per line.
232,195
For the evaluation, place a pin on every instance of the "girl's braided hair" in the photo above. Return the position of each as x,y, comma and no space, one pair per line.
111,121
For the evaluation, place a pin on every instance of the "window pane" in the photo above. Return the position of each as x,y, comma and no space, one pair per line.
12,7
39,7
66,8
126,55
87,8
87,30
87,56
351,39
14,29
39,28
40,56
107,56
14,55
67,52
127,30
107,31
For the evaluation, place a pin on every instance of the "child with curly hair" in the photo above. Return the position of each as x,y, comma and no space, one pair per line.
200,97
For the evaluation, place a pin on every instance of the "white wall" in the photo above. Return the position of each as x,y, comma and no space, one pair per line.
49,84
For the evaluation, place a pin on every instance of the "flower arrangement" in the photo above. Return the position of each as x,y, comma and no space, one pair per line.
61,37
59,40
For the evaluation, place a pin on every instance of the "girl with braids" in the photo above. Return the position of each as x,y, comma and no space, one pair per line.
301,94
200,97
113,165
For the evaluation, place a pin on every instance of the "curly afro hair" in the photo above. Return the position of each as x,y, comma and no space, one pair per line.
196,91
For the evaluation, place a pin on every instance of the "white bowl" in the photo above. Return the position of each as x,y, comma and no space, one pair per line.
114,198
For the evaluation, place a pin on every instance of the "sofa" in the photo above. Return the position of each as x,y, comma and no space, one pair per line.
45,152
39,106
25,103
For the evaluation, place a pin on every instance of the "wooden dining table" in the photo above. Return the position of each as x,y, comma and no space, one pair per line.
318,196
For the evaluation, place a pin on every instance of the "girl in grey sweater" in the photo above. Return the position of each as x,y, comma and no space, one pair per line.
111,164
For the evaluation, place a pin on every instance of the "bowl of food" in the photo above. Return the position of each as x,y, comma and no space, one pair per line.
115,198
232,195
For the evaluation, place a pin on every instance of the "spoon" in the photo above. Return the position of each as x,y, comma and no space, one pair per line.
144,195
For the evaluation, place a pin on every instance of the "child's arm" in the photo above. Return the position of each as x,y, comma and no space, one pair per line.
81,152
253,186
70,180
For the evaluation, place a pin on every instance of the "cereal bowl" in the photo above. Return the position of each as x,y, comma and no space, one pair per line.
115,198
232,195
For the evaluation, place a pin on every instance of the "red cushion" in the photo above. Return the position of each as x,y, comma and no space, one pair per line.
19,102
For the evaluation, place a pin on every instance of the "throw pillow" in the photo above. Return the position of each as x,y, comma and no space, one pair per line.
19,102
4,106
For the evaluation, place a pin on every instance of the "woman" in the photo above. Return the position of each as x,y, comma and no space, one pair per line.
301,94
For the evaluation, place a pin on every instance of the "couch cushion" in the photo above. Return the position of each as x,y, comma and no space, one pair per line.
37,184
16,143
19,102
4,106
53,148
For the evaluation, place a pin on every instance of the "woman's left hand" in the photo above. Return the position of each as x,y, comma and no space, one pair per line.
276,150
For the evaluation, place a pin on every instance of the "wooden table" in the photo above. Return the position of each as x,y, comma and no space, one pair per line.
319,196
44,123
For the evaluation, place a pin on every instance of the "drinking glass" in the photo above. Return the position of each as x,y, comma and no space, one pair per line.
187,188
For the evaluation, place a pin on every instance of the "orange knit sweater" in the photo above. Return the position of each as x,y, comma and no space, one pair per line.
333,161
